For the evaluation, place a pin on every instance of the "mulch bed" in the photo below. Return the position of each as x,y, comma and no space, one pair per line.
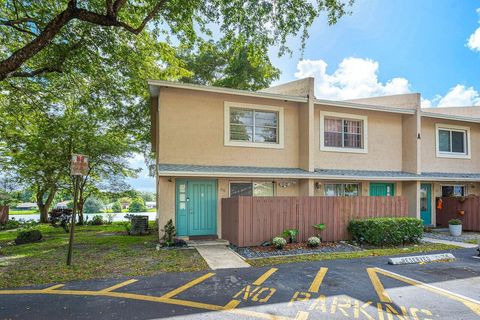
294,249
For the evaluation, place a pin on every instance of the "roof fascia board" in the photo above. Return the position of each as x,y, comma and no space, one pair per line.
344,104
449,117
189,86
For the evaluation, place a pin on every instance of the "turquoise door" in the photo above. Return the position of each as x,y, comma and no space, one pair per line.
382,189
196,207
426,203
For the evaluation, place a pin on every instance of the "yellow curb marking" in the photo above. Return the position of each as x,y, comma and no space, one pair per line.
317,282
474,305
378,286
122,284
264,277
187,286
53,287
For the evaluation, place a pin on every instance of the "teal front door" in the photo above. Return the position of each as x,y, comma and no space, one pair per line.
196,207
426,203
382,189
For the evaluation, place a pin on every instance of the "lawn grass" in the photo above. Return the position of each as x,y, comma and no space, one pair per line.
351,255
22,212
99,252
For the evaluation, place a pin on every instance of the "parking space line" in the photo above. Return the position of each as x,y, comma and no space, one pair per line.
53,287
264,277
378,286
187,286
317,282
473,304
119,285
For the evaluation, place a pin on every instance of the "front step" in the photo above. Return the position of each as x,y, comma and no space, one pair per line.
198,243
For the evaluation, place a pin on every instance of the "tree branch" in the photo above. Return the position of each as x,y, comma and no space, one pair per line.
33,73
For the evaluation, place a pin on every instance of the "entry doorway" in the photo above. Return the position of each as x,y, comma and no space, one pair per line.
426,203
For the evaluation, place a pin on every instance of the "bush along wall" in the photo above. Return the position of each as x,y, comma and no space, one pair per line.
386,231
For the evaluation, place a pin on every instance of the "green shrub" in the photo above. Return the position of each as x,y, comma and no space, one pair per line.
137,205
169,234
279,242
93,205
117,207
386,231
455,222
28,236
97,220
313,242
10,224
290,234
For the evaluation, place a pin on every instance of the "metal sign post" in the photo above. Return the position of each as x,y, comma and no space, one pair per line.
78,169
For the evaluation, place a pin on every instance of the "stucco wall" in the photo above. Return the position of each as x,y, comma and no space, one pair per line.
384,143
192,131
430,161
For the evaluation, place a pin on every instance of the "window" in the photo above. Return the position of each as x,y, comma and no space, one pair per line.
342,189
256,189
453,191
253,126
343,132
453,141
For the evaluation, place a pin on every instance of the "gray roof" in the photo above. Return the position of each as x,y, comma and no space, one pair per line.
272,172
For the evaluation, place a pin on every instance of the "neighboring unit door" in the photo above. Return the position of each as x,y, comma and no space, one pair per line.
426,203
196,207
382,189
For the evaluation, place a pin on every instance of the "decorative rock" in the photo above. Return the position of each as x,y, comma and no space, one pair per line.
423,258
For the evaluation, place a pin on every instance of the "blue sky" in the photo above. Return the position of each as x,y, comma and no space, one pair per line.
387,47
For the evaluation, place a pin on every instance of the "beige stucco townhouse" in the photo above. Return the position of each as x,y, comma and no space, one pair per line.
212,143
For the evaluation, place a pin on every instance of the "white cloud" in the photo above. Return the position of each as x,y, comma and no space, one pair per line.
457,96
473,42
354,78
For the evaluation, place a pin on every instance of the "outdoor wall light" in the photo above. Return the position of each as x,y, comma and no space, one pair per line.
318,185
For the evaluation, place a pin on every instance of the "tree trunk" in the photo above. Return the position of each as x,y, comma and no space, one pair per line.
44,207
80,203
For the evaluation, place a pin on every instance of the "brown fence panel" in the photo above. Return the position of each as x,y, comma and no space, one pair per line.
249,221
3,214
451,208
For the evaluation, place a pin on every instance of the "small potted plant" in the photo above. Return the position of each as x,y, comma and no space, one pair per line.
455,227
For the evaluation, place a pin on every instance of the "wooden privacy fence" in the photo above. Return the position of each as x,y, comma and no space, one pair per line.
451,207
3,214
249,221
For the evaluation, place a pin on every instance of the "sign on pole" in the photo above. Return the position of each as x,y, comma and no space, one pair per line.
79,165
78,168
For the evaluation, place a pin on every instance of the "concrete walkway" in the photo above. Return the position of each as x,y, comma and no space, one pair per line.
454,243
219,256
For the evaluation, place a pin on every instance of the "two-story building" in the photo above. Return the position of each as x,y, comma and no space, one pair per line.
211,143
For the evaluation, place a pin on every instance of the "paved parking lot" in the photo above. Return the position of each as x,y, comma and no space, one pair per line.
339,289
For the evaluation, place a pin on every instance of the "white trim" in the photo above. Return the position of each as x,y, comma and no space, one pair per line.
449,117
364,119
226,126
361,106
453,155
153,84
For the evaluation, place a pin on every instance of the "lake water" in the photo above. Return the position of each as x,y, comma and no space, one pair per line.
117,217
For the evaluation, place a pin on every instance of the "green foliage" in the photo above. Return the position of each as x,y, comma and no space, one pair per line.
319,227
137,205
290,234
313,242
97,220
386,231
117,207
168,234
10,224
279,242
28,236
455,222
93,205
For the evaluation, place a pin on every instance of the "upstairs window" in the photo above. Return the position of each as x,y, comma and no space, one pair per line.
253,126
343,132
453,141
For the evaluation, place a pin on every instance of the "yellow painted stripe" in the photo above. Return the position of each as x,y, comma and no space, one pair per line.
302,315
378,286
187,286
264,277
53,287
119,285
474,305
317,282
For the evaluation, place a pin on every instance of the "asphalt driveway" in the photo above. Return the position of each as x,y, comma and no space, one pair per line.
339,289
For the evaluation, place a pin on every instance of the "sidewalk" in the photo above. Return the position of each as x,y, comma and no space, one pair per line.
454,243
